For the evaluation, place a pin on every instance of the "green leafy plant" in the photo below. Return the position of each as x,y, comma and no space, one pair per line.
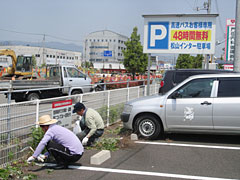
37,135
15,171
10,155
110,144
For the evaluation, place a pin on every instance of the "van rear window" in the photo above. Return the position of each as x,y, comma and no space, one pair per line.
181,76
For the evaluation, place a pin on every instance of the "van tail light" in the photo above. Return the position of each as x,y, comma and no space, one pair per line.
161,83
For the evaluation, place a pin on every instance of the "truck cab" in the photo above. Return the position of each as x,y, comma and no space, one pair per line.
71,76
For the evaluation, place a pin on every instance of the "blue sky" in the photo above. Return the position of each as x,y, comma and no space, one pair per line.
74,19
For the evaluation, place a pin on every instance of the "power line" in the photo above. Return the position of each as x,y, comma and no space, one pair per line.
38,34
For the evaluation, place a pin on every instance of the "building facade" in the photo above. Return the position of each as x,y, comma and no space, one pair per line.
46,55
104,47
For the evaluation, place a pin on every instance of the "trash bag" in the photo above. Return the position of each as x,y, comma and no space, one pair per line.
76,128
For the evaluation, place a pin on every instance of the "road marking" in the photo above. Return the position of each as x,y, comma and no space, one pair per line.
145,173
189,145
133,172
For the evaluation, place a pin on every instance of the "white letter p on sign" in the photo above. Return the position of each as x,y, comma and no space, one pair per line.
154,36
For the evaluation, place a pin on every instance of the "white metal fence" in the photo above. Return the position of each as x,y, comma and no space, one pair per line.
17,119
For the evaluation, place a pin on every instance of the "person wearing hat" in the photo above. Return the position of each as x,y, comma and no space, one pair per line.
92,124
60,142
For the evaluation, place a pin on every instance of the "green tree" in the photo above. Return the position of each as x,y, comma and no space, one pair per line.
34,62
186,61
87,64
135,61
197,61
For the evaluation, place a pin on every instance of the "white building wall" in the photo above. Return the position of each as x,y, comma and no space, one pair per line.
97,42
48,55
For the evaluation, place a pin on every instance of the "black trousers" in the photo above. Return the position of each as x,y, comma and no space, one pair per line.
98,133
62,154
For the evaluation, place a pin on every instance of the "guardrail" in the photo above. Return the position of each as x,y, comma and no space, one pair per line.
17,119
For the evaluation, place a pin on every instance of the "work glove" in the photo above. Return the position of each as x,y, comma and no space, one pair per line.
84,141
41,157
30,159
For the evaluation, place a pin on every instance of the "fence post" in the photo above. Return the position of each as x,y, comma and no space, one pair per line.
138,91
104,86
145,90
128,94
9,116
108,108
37,111
81,97
9,111
155,87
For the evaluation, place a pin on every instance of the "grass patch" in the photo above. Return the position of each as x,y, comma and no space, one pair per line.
115,137
16,170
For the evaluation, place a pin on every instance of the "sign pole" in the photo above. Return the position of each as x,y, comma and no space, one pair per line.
237,39
148,76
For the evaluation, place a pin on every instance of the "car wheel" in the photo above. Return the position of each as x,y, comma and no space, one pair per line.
76,92
148,126
32,96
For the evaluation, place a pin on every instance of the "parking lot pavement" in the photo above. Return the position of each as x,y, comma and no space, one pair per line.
162,159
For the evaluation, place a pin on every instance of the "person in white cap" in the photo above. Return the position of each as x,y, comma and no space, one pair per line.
60,142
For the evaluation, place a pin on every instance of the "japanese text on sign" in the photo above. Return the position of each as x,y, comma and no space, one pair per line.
179,34
62,111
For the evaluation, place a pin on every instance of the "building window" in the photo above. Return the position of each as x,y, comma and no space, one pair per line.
114,40
53,56
47,55
90,40
58,57
110,40
106,40
50,56
119,41
102,40
98,40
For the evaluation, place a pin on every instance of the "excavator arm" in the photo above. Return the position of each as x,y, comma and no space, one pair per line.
11,53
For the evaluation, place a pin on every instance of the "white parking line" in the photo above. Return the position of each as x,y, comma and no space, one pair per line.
133,172
189,145
145,173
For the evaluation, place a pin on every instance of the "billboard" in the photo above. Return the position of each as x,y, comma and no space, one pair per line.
180,33
229,40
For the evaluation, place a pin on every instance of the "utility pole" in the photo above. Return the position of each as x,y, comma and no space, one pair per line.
207,57
236,66
206,6
43,51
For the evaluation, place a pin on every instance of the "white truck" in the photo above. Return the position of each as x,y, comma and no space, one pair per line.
60,80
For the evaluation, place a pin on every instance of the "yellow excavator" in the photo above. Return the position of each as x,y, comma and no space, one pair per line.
21,66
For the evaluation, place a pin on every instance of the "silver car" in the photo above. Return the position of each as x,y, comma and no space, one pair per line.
202,103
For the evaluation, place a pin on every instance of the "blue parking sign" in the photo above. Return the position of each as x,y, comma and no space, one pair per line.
158,35
107,53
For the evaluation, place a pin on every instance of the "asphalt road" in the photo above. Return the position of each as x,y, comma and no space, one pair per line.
176,157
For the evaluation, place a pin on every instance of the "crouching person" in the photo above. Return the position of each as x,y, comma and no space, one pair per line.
60,142
91,124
